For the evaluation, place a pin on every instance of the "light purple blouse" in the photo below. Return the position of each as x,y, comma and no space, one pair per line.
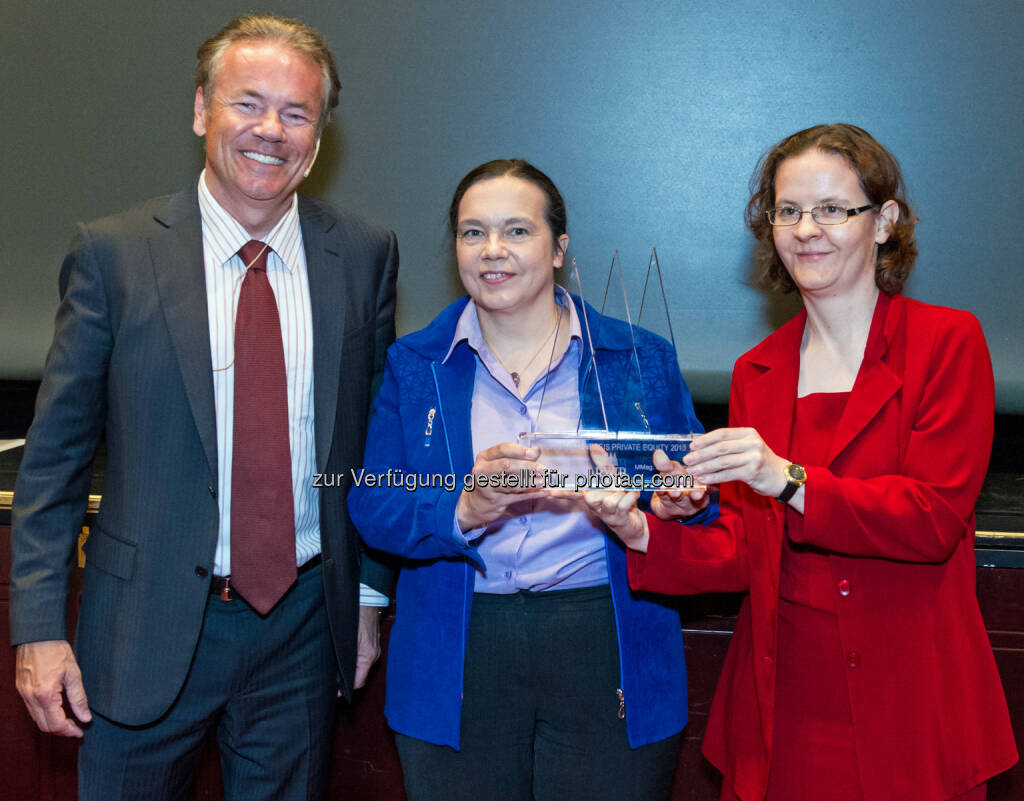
542,544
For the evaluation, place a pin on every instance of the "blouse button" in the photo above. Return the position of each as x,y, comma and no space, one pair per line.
853,659
844,587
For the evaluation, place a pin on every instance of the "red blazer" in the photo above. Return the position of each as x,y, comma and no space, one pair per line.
895,506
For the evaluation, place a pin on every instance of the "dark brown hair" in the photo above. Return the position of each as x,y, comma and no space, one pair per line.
880,177
296,35
554,210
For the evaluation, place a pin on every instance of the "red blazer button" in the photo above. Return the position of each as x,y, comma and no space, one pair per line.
844,587
853,659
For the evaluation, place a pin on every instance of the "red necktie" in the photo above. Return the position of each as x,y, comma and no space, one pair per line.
262,507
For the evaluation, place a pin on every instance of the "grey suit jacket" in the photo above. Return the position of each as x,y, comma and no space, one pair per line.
131,358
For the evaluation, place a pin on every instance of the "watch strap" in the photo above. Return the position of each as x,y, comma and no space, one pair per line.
788,492
792,484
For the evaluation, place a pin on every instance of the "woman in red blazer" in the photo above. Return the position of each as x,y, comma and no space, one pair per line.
858,442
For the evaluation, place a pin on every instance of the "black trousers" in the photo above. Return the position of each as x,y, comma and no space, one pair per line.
540,713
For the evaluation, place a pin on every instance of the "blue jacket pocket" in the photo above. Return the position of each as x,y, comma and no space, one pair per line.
110,555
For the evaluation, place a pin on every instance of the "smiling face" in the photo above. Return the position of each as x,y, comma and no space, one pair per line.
505,248
828,260
261,129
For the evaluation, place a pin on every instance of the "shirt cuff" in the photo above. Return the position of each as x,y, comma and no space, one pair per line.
368,596
465,537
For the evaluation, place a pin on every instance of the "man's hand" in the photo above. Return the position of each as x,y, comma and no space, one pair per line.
485,504
42,671
672,504
367,642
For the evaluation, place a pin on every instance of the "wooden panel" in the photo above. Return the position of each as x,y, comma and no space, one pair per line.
696,779
37,767
20,742
34,766
1001,597
365,759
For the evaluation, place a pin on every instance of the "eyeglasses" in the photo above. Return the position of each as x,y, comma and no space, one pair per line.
824,215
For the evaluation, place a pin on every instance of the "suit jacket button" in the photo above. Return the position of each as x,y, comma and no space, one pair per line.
844,587
213,491
201,571
853,659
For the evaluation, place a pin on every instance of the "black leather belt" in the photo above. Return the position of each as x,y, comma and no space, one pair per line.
222,587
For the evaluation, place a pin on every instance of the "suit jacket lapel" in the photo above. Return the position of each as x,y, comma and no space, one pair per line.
876,382
771,402
771,396
176,250
328,290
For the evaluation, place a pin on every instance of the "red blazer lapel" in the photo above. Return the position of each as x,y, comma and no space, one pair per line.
770,399
771,396
876,382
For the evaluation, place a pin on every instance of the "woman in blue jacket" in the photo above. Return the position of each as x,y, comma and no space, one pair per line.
521,666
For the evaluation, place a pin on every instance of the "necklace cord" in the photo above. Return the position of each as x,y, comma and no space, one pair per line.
517,374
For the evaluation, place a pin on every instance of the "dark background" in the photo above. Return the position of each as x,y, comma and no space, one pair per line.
649,115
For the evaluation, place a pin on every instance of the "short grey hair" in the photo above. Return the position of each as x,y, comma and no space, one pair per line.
296,35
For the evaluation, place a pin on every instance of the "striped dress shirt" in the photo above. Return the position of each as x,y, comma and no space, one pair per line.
223,236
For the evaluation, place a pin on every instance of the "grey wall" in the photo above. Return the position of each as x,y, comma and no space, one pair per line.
649,115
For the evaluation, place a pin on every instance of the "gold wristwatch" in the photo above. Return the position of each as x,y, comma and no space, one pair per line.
796,476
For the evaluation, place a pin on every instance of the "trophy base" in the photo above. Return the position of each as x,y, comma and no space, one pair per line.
630,455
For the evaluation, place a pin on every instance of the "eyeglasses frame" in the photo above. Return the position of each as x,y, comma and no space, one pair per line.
849,213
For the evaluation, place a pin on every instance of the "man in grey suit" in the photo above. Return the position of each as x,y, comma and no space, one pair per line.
157,346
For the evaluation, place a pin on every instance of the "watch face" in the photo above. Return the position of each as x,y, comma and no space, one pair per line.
796,472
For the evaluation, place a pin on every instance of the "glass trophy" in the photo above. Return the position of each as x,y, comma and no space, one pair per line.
616,458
